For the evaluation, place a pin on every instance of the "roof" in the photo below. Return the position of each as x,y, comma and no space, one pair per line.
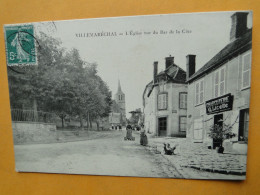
173,72
119,90
233,49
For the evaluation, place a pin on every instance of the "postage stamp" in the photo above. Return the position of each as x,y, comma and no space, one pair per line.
20,45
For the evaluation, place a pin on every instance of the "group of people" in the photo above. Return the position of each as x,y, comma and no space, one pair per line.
119,127
168,150
143,136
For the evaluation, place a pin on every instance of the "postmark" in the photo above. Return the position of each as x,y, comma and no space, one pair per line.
20,45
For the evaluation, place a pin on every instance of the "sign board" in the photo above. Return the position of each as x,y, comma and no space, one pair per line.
220,104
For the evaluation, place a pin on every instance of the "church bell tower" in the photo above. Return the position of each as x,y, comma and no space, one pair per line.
120,100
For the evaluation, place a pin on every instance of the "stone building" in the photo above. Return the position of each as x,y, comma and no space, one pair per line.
118,111
218,93
165,101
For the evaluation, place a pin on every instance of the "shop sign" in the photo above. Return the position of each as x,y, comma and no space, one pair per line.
220,104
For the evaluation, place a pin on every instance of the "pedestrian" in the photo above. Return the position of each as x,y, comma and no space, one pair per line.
143,136
129,132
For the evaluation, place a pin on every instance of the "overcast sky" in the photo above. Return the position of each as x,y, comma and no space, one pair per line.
130,58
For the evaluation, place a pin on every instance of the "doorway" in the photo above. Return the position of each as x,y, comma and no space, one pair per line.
243,125
218,120
162,126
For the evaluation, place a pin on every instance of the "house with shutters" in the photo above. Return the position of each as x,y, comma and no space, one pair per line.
165,101
219,92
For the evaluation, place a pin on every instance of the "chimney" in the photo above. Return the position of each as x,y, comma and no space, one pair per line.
169,61
155,71
239,25
190,65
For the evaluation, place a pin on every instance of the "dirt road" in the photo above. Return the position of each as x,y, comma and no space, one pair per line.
109,154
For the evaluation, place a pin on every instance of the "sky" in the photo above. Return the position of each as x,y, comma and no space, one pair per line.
129,58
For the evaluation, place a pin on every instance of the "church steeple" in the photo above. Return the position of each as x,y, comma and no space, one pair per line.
119,87
120,101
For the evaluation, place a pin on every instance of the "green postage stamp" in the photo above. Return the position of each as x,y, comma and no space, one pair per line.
20,45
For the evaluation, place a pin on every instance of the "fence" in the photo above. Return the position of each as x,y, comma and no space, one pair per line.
32,116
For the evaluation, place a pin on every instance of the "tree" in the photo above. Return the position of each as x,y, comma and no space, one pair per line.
61,83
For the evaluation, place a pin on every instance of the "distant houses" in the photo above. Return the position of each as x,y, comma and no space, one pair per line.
187,103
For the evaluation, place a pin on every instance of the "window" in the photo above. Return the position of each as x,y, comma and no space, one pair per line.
199,92
246,69
219,82
120,97
183,122
183,100
162,101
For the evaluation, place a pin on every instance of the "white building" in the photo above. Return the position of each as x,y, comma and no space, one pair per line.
219,92
165,101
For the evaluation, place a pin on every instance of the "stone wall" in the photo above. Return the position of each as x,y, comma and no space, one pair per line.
27,132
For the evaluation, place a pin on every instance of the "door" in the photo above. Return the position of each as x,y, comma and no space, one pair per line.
162,126
243,125
218,120
198,130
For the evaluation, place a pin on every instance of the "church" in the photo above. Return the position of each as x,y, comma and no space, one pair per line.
117,117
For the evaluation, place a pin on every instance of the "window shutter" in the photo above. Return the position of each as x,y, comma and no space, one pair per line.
186,100
216,83
201,91
159,101
246,79
164,101
246,71
222,82
181,100
246,62
197,93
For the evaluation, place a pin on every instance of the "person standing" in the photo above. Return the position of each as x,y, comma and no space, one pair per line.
143,136
129,132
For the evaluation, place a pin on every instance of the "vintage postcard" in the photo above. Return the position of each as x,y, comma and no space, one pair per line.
147,96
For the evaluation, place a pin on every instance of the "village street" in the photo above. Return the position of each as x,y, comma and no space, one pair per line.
108,154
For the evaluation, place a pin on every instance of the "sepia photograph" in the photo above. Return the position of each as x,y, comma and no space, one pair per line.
163,96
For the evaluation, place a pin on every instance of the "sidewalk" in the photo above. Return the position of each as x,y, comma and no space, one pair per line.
198,156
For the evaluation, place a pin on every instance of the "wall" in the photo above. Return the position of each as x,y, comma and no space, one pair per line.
172,113
33,132
33,126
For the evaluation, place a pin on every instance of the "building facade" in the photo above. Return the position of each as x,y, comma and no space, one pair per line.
219,92
165,101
